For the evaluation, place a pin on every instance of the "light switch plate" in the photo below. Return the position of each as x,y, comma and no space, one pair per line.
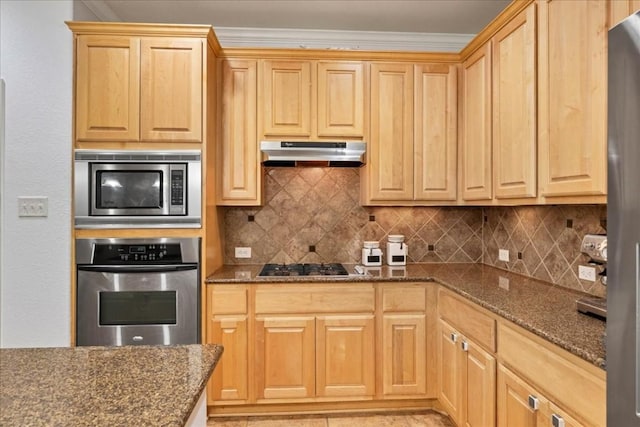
586,272
503,255
33,206
243,252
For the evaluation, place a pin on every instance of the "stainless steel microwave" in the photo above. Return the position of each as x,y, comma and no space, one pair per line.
138,189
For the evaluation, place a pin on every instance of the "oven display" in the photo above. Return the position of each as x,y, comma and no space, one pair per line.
137,249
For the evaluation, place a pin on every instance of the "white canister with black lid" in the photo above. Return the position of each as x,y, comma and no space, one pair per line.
371,254
396,250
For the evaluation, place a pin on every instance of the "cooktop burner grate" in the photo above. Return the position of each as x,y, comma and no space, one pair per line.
330,269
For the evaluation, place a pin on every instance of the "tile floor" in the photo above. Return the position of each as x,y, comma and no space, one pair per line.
401,419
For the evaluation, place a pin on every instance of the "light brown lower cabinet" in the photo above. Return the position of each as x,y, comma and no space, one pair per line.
303,357
289,346
520,404
345,362
285,357
467,378
228,324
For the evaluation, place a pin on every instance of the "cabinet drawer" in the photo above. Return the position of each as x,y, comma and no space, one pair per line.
567,380
232,300
474,324
305,300
404,298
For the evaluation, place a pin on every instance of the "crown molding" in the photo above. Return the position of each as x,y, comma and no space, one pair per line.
230,37
341,40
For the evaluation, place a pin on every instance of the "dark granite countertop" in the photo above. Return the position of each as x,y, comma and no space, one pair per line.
103,386
547,310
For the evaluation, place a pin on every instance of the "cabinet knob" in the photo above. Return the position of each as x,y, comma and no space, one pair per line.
454,337
557,421
533,402
465,346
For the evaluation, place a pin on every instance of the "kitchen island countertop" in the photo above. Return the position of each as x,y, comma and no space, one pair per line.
104,386
547,310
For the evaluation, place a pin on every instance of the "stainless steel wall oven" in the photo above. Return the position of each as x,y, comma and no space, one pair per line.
138,189
137,291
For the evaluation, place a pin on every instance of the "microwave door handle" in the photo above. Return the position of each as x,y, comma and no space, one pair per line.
138,268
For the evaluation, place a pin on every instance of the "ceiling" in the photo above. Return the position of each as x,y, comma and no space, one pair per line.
383,17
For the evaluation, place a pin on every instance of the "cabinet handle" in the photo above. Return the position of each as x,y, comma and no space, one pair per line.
533,402
557,421
465,346
454,337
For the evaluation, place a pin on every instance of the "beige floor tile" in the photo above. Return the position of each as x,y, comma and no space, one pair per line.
403,419
288,421
227,422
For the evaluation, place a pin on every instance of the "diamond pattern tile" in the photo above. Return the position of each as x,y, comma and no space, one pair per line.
320,207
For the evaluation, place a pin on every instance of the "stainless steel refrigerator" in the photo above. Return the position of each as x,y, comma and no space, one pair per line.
623,226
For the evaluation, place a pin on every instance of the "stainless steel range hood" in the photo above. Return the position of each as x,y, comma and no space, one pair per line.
312,153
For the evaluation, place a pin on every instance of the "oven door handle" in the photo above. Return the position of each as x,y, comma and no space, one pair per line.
162,268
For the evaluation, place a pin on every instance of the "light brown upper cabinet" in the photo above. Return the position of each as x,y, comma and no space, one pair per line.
412,151
239,174
514,107
390,168
572,108
475,139
340,99
435,132
138,89
312,99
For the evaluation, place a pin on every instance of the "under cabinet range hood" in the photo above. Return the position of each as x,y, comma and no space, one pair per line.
312,153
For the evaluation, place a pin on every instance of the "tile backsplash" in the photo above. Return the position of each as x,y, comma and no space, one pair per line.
314,215
544,241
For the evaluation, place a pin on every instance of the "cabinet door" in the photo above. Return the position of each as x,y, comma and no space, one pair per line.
345,356
435,138
285,357
572,107
514,107
390,165
518,403
449,370
171,90
287,98
107,88
341,99
229,380
475,141
479,386
404,349
239,164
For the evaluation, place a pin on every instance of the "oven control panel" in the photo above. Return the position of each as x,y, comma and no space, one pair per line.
147,253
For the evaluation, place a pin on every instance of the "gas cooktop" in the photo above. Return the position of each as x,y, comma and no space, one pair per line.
331,269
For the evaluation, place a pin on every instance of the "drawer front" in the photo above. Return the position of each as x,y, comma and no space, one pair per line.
403,298
562,377
232,300
476,325
296,300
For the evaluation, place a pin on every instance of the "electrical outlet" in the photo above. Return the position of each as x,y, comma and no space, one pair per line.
33,206
503,283
503,255
243,252
586,272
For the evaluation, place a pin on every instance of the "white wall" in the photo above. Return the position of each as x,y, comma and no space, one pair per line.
36,65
